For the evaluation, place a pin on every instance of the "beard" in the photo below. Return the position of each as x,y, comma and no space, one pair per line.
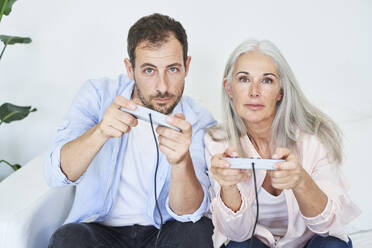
162,108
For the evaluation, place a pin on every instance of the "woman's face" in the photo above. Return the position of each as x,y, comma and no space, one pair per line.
255,88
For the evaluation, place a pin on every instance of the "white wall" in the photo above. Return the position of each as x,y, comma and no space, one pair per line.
327,43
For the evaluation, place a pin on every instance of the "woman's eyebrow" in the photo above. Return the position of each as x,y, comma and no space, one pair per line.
244,72
269,73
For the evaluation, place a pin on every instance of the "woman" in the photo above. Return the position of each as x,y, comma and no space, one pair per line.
303,203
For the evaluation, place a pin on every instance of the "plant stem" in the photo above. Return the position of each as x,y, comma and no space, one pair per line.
3,9
4,161
2,52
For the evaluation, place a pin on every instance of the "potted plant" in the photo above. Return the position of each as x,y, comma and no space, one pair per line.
10,112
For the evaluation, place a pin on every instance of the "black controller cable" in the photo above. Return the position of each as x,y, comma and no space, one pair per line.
155,191
257,205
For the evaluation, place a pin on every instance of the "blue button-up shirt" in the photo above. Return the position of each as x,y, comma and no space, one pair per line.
97,188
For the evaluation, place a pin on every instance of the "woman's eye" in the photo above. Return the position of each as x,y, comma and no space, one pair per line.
148,70
173,69
243,79
267,80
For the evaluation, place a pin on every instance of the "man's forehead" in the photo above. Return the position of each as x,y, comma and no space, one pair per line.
168,52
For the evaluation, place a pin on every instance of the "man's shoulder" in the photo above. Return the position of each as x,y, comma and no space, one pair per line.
113,86
196,113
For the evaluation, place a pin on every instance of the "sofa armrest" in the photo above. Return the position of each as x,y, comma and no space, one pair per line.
30,211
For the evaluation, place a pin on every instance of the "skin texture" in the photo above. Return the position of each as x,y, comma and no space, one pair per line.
255,92
159,75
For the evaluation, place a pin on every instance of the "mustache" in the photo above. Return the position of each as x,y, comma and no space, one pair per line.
160,95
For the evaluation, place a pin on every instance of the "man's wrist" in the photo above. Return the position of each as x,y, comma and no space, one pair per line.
98,134
183,163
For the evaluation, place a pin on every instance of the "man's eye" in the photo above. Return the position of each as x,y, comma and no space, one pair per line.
173,69
267,80
243,79
148,70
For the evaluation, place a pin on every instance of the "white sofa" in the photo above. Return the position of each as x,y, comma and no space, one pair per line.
30,211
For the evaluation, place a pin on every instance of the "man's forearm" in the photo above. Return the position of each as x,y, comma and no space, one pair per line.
77,154
186,193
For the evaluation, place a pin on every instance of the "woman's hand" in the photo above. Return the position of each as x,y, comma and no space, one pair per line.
228,179
291,175
288,174
222,173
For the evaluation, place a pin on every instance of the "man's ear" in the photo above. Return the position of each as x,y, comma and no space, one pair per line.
129,68
187,65
227,86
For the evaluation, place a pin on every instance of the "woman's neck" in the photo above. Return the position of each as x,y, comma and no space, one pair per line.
260,136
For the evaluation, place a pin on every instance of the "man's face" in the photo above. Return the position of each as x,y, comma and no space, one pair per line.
159,74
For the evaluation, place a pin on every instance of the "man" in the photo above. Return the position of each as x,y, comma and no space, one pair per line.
111,156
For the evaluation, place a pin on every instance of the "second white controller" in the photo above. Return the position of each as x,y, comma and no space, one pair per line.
246,163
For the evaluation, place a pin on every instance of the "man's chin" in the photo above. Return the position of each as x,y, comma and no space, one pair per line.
164,109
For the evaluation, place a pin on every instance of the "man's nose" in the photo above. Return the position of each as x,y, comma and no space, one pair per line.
162,83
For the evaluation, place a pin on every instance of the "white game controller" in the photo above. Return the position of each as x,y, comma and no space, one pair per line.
142,113
246,163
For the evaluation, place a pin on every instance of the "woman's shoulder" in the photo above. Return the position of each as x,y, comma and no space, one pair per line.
310,143
313,150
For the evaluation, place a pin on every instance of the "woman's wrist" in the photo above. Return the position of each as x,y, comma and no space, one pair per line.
230,196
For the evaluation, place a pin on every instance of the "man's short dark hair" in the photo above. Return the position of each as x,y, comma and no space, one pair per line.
156,29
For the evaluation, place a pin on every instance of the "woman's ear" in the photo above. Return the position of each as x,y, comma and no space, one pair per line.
280,96
227,86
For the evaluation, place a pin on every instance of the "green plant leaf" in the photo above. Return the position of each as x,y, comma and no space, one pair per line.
11,40
10,112
8,7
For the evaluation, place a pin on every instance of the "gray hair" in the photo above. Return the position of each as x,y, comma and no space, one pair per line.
294,112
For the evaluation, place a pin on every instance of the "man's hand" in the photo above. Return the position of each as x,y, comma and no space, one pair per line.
115,122
175,145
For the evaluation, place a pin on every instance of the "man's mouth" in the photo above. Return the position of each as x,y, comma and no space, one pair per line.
162,100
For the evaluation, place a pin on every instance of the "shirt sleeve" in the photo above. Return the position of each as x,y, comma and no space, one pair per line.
82,115
339,210
200,167
224,219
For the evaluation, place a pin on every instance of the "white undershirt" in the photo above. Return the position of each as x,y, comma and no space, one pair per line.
138,171
273,212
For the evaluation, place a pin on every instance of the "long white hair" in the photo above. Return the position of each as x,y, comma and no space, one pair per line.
293,113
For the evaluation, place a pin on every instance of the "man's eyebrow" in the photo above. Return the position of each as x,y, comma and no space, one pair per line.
147,64
269,73
174,64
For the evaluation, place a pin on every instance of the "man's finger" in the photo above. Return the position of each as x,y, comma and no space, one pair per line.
181,123
125,117
172,145
169,133
124,102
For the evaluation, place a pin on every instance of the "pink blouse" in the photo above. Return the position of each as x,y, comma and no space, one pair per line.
237,226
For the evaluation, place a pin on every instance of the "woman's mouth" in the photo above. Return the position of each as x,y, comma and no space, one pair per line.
254,106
